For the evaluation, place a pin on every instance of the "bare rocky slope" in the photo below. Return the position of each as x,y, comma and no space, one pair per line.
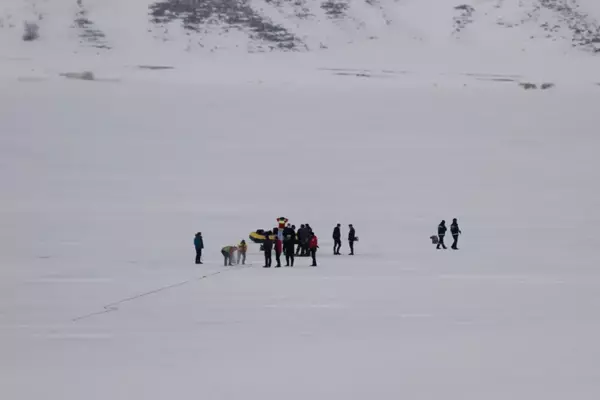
305,25
278,24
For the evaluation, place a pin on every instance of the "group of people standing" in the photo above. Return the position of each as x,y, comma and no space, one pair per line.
229,252
454,230
304,243
337,239
286,241
303,236
290,242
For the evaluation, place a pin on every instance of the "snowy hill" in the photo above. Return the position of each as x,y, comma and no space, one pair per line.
304,25
212,40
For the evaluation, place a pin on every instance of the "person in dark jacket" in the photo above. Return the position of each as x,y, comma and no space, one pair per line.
268,249
295,236
304,238
278,247
310,230
351,238
288,233
313,245
455,231
337,240
199,245
300,236
441,233
288,248
309,234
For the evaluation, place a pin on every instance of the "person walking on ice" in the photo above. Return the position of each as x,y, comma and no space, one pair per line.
337,240
441,233
351,239
228,253
242,249
455,231
199,245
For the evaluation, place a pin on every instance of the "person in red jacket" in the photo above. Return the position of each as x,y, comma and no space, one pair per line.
313,245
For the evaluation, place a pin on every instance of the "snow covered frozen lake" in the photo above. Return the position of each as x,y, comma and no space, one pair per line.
105,183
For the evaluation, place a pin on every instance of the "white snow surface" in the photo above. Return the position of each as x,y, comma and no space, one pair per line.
105,182
104,185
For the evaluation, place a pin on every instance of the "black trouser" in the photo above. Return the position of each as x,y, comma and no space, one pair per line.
304,248
288,246
198,255
441,242
337,245
351,243
267,258
455,244
289,255
313,254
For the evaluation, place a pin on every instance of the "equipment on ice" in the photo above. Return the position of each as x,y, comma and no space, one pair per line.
259,236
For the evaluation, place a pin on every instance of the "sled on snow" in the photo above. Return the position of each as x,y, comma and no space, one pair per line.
259,236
